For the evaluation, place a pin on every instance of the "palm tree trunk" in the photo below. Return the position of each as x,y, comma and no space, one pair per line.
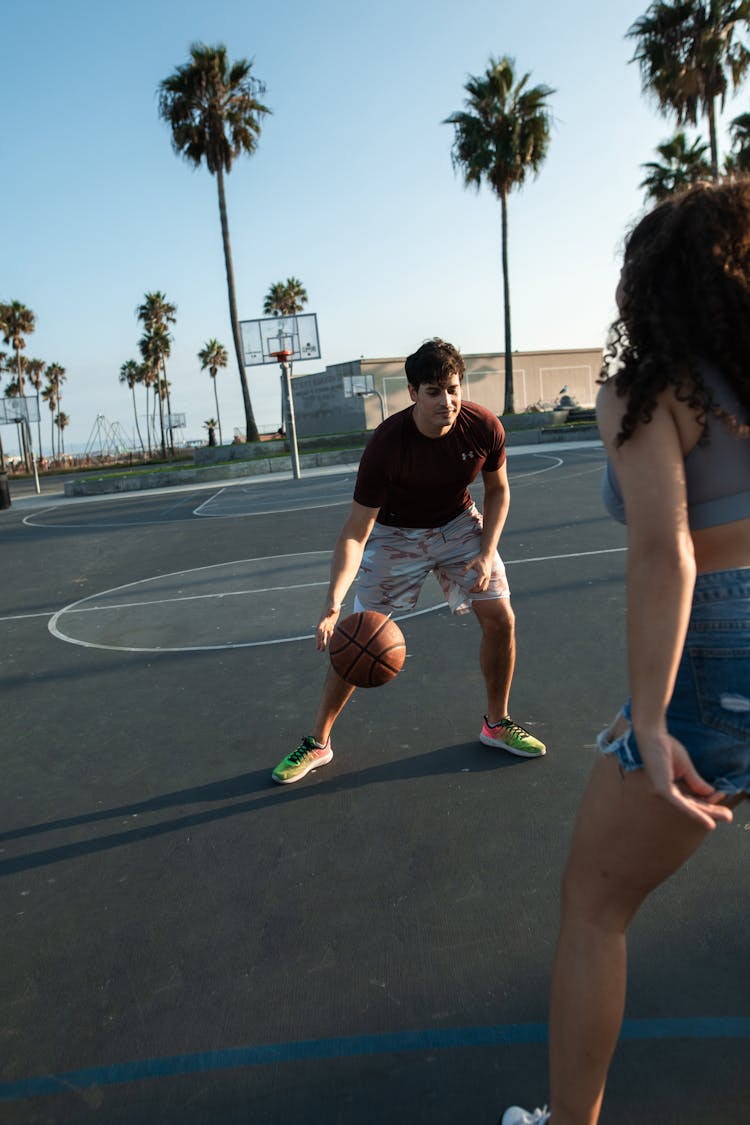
25,452
218,416
154,394
59,430
712,138
161,417
251,429
148,423
39,424
135,415
19,371
169,407
510,404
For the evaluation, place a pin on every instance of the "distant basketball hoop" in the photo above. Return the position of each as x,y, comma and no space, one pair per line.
282,339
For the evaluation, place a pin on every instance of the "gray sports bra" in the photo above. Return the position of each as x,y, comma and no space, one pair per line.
717,474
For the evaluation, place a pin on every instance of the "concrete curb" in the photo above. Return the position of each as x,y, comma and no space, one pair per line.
229,471
261,466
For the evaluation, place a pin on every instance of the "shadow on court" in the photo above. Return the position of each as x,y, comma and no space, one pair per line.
185,942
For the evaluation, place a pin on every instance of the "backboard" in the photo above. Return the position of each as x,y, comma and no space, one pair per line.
18,408
297,334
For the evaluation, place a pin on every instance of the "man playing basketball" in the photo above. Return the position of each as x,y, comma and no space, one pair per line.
412,514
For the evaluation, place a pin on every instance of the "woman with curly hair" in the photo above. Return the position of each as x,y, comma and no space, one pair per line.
674,415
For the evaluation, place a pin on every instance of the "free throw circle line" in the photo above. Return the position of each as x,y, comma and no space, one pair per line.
75,607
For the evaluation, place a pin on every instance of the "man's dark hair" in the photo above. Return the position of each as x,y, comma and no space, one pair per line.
435,362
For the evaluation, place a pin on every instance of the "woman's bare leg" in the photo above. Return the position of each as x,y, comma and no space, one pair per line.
625,843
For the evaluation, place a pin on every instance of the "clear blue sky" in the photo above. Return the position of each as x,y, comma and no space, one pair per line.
351,189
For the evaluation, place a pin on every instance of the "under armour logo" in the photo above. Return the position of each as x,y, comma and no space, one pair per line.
468,456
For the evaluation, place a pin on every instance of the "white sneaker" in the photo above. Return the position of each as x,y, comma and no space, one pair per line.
517,1116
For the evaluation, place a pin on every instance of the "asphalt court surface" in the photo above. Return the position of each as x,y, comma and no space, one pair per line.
184,941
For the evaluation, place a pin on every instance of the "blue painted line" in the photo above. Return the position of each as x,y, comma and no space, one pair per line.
507,1035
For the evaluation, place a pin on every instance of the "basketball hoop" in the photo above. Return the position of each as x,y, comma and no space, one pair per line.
281,356
263,339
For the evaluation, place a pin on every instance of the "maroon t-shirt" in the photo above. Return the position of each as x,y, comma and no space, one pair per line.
418,481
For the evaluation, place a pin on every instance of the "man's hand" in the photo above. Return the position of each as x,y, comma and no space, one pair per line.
326,625
483,567
675,779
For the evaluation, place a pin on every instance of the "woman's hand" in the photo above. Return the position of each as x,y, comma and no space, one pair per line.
675,779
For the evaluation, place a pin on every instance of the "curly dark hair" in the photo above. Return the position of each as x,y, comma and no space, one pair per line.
435,362
684,296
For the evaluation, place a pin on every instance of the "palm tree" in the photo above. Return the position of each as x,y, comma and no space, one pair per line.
55,377
16,323
146,379
130,373
682,165
501,136
689,55
49,394
61,421
739,159
155,346
285,298
155,314
156,309
211,424
213,356
213,111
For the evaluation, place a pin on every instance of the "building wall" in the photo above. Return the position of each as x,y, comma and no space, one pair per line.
320,405
327,402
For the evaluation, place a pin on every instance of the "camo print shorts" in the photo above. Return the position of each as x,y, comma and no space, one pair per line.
397,560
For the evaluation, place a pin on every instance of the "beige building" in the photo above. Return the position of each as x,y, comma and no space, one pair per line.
329,402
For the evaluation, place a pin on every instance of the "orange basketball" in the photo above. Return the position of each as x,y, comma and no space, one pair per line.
367,649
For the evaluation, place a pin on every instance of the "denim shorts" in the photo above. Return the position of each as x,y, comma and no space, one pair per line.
709,712
397,560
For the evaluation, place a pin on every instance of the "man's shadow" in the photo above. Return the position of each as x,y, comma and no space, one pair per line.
245,793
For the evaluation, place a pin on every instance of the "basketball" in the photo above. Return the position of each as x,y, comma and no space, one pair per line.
367,649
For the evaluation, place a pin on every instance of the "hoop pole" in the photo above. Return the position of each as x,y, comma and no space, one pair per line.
286,374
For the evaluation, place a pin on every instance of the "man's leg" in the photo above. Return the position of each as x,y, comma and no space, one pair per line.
336,694
497,657
315,749
497,653
626,842
378,589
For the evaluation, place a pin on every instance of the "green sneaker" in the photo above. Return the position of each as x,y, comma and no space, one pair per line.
511,737
308,756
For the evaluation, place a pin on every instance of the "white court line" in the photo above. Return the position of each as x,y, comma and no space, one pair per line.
248,483
557,462
75,607
186,598
577,555
269,511
28,616
197,511
570,476
160,520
